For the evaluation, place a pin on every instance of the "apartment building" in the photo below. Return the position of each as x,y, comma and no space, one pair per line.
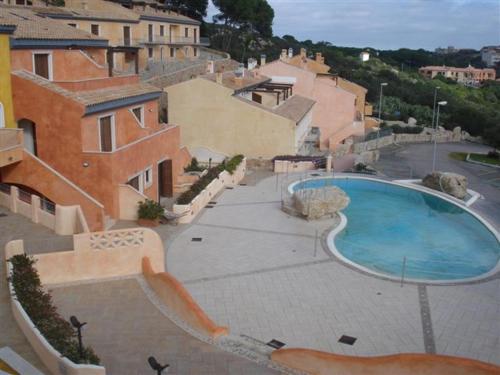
467,76
239,112
101,133
490,55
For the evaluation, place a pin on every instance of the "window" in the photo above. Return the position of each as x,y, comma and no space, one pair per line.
138,113
186,51
186,32
106,133
148,177
150,33
73,25
136,183
195,52
94,29
150,53
42,65
162,30
2,116
126,35
172,52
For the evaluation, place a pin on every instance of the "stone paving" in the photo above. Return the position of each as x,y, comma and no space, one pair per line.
255,271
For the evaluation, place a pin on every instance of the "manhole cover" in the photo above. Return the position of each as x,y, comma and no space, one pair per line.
348,340
275,344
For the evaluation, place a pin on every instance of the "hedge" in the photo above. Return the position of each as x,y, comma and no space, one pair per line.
212,174
39,306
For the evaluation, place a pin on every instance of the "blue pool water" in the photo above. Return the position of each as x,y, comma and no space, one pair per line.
386,223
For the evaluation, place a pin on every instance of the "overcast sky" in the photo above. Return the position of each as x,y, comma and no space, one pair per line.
389,24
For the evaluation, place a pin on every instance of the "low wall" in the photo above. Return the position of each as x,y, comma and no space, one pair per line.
224,179
322,363
50,357
64,220
287,166
129,200
177,298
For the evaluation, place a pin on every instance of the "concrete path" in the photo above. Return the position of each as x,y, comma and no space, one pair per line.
125,328
255,270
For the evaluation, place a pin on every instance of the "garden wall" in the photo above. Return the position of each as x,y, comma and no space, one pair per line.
322,363
191,210
177,298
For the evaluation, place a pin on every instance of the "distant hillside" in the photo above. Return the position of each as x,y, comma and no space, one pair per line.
408,94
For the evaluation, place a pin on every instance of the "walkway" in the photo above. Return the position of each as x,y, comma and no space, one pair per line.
257,271
125,328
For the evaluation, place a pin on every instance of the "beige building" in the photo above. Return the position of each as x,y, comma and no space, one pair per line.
468,76
241,112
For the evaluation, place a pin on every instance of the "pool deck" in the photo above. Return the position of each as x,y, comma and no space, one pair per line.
256,270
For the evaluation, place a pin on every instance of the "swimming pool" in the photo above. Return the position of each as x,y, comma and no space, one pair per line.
388,225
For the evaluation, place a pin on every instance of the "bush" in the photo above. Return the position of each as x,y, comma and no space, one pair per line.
38,305
194,166
397,129
494,154
212,174
150,210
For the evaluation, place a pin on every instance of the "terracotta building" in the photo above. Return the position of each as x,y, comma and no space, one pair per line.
102,133
467,76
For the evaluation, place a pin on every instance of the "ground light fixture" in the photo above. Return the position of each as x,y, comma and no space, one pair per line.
439,104
156,366
380,109
76,323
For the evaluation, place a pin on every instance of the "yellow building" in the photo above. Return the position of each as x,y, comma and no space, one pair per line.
230,113
6,107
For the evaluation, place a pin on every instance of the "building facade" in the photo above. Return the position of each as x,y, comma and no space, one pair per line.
6,107
467,76
490,55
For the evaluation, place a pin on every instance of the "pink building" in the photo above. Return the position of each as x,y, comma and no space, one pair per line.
334,115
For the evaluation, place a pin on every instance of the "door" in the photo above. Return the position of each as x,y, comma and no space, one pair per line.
41,61
29,130
126,35
195,36
165,183
150,33
106,133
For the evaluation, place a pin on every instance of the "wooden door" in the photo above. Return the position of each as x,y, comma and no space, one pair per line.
165,179
106,134
150,33
42,64
126,35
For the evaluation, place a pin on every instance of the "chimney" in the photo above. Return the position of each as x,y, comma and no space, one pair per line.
262,60
302,52
283,54
218,77
290,52
210,67
252,63
320,58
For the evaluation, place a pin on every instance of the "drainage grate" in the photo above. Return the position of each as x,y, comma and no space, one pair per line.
196,239
209,206
347,340
275,344
2,214
315,174
229,188
243,184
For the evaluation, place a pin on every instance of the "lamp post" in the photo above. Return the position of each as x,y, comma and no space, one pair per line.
156,366
434,106
380,110
439,104
76,323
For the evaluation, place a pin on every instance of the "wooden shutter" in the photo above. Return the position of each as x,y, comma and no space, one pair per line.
42,65
126,35
106,134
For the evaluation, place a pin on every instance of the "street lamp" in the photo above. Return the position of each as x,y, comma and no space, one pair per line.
434,106
439,104
76,323
156,366
380,110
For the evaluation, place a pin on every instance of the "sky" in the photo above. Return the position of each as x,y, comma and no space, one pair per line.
389,24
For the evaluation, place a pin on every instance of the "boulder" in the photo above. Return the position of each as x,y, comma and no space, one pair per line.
412,121
317,203
449,183
457,134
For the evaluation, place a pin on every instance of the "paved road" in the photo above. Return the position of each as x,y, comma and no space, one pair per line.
415,161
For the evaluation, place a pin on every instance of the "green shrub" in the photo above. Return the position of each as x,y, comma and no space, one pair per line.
397,129
194,166
150,210
39,306
233,163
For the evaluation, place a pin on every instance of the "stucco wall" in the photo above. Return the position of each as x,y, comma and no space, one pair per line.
5,82
322,363
210,117
357,90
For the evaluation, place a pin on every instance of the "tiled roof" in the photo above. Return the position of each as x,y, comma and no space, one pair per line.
294,108
230,81
92,97
123,15
167,16
453,69
309,64
32,26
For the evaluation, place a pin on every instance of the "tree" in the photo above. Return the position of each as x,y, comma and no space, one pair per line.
196,9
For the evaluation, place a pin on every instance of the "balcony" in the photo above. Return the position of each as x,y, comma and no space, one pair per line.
11,146
182,40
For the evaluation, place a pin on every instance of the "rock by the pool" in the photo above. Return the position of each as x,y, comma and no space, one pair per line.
314,204
450,183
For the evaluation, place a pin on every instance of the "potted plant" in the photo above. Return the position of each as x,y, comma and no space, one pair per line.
149,213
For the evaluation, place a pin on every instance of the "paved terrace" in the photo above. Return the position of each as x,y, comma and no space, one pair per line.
256,271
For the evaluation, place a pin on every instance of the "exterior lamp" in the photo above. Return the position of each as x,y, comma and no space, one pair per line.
380,109
434,106
76,323
439,104
156,366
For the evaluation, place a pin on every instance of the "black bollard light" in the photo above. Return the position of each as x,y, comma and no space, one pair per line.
156,366
76,323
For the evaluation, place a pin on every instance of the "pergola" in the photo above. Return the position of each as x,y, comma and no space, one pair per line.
122,49
283,89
